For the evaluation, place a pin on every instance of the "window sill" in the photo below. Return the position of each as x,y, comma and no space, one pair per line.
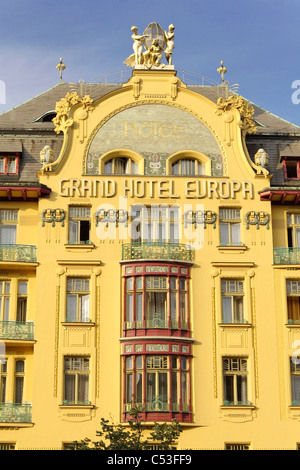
73,406
238,407
236,324
78,323
83,247
232,248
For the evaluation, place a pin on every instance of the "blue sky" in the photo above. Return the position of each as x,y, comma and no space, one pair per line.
258,40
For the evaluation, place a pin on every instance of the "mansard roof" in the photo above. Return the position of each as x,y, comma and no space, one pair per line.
34,118
29,115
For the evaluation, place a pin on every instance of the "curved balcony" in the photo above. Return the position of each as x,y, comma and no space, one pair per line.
156,250
18,253
14,330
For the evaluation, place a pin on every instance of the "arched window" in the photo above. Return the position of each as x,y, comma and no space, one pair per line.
188,167
120,166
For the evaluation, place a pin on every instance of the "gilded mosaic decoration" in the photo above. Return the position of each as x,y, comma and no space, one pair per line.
155,132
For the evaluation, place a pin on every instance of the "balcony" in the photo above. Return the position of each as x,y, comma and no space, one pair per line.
15,412
17,330
157,251
286,255
18,253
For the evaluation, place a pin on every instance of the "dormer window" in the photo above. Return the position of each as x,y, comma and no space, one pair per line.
291,167
9,164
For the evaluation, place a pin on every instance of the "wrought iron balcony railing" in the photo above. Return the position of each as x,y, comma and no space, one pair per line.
17,330
19,253
286,255
15,412
156,250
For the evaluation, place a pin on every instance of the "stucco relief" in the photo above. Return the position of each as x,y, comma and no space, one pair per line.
155,132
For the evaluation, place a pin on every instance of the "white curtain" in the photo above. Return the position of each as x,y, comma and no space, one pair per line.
235,234
8,234
73,231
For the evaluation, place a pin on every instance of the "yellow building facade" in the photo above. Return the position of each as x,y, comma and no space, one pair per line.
150,256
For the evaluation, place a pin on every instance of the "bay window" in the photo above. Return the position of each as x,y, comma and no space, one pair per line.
160,383
158,300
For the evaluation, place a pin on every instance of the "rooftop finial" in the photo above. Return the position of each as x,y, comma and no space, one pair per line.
222,70
61,67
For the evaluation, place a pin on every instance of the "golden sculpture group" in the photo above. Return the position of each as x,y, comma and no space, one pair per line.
163,42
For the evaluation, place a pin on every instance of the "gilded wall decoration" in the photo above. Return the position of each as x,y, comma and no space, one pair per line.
155,132
246,111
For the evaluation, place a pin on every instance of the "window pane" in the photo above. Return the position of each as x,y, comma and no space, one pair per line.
84,307
73,231
129,388
19,383
293,305
11,165
173,307
228,388
6,309
235,233
8,234
163,386
22,288
150,387
139,387
296,388
242,388
184,389
224,233
174,388
139,307
238,309
2,389
69,394
175,168
129,307
71,307
108,168
226,309
83,388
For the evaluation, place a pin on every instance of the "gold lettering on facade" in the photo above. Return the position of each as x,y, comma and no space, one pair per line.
164,188
153,129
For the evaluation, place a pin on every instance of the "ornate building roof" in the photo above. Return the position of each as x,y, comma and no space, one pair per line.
28,127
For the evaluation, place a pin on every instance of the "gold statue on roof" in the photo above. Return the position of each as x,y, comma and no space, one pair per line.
156,43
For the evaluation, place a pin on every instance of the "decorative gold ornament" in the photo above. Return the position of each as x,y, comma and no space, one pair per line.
246,112
222,70
62,121
61,67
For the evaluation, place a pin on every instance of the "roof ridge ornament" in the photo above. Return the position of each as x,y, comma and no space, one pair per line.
157,43
222,70
61,67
